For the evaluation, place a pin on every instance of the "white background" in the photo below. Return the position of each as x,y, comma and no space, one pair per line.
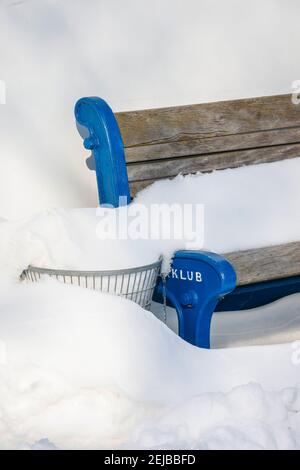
133,53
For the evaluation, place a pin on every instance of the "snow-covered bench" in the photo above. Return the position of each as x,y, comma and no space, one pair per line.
160,143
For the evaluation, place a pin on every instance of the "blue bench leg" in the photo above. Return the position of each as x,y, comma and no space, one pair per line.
197,281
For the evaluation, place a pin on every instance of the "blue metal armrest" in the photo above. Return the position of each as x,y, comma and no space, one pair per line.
107,147
194,286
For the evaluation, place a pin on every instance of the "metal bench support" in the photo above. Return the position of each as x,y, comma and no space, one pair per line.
107,147
194,286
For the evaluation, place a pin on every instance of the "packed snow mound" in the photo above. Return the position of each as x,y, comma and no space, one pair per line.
244,208
81,369
273,323
248,207
68,239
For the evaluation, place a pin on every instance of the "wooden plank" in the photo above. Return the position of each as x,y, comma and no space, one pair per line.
152,170
211,145
194,122
267,263
137,186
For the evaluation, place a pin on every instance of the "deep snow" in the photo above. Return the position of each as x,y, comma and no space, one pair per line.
48,386
89,370
244,208
54,52
80,369
247,207
274,323
67,239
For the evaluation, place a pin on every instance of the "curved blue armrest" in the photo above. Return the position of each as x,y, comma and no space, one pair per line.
195,284
106,143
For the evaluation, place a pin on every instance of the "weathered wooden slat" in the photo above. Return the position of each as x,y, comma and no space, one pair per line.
204,163
208,145
266,264
184,123
137,186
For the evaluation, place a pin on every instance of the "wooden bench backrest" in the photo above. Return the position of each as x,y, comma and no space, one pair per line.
160,143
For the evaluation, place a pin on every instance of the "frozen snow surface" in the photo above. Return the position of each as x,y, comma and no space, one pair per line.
80,369
67,239
244,208
83,370
274,323
247,207
59,51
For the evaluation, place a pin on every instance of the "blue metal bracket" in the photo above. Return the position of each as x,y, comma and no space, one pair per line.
194,286
258,294
106,143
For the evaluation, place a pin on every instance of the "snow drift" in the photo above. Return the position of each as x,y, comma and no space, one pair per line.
89,370
80,369
244,208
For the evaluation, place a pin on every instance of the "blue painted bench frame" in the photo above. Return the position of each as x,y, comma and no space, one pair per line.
199,282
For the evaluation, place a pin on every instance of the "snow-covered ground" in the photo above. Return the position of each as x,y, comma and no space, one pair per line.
134,54
80,369
278,322
89,370
248,207
243,208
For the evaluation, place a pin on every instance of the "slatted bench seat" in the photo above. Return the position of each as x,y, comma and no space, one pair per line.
266,264
160,143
